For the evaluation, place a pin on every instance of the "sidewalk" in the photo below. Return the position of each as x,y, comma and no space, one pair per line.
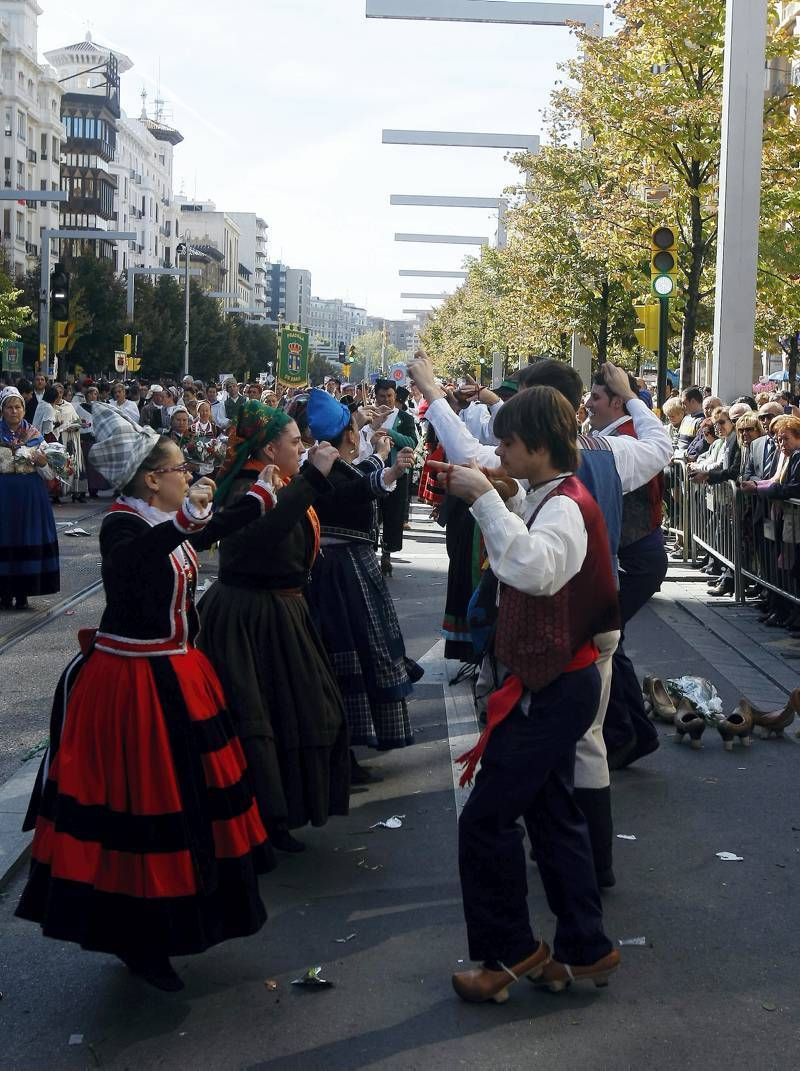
758,662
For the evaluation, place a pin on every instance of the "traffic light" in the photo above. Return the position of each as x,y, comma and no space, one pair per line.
648,334
59,293
342,351
351,355
663,262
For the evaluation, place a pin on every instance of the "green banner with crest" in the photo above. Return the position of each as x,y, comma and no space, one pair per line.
293,357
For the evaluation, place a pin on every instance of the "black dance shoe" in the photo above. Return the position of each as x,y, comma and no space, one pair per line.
155,970
283,840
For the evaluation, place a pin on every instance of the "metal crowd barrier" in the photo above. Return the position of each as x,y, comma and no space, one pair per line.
676,512
769,544
758,540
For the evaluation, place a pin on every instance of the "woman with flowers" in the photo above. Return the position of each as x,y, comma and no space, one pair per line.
28,541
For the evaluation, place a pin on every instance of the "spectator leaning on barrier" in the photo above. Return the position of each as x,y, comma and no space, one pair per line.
674,412
692,399
699,444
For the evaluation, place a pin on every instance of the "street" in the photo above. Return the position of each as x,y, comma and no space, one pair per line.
710,982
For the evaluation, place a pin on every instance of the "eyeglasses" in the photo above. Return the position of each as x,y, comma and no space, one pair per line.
185,467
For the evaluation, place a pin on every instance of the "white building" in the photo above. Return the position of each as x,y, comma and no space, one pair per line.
253,256
31,109
132,168
298,296
334,320
144,202
217,235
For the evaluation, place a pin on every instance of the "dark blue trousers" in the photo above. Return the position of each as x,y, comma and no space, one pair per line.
641,575
527,771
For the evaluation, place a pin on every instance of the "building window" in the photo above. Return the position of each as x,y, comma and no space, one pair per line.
9,121
56,149
20,227
22,125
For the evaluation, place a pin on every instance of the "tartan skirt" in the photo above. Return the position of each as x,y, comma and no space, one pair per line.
147,835
356,618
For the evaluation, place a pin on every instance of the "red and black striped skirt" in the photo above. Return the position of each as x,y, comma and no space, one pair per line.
147,836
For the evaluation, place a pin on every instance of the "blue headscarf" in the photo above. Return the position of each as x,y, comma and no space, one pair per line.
326,417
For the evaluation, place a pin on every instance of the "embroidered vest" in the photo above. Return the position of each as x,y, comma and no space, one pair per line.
642,509
538,636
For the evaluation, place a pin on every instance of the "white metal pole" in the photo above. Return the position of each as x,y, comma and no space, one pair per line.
740,197
187,296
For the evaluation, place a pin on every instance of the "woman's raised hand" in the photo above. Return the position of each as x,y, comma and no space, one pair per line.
201,494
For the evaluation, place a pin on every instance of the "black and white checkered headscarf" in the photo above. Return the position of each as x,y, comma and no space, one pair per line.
121,446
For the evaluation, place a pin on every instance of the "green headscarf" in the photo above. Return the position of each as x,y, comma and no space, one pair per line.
258,424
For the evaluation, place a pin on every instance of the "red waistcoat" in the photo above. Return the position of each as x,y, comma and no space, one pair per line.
539,636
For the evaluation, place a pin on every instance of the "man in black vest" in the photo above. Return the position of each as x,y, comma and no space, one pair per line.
402,430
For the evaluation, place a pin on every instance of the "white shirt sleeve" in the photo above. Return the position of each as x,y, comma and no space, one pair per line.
460,445
639,460
539,561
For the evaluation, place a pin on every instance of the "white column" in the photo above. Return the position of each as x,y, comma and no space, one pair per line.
582,361
740,195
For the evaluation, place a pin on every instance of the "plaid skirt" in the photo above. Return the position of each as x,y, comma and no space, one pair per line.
354,612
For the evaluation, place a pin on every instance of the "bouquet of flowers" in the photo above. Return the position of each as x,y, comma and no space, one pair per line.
202,451
62,463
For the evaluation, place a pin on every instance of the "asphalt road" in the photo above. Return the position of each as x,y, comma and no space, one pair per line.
714,985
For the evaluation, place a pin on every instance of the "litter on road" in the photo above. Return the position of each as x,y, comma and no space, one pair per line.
625,836
313,979
395,822
729,857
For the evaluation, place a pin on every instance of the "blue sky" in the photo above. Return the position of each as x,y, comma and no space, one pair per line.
282,103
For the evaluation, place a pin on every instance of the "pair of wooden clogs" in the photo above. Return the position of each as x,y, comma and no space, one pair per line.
736,726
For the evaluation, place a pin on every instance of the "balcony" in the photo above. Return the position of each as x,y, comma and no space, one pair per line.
32,249
31,156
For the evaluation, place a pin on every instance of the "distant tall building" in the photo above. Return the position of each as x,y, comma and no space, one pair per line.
276,291
32,133
215,237
399,333
254,257
334,320
298,296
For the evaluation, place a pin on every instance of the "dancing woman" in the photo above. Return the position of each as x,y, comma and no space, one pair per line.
348,595
257,632
147,836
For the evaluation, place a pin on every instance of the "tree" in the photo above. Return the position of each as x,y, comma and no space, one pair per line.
97,300
664,127
14,315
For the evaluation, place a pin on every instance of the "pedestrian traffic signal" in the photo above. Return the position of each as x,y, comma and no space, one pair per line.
59,293
663,262
648,334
